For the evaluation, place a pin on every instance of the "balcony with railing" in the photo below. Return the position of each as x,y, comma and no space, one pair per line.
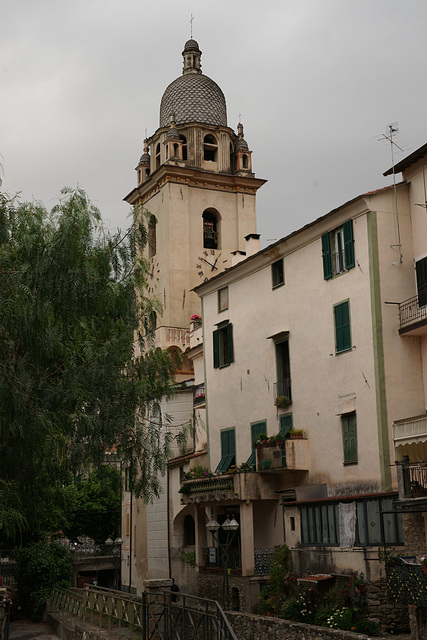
199,395
413,315
283,393
412,479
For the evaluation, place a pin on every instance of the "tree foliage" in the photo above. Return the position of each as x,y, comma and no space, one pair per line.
40,568
93,505
79,373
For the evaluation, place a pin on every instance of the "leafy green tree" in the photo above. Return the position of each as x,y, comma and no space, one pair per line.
40,568
79,372
93,505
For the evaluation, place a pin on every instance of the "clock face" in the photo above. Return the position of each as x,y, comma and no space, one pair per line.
209,263
153,275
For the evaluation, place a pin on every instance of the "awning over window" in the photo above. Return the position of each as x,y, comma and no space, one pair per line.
410,431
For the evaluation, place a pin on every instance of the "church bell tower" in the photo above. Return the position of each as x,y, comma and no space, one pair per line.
195,177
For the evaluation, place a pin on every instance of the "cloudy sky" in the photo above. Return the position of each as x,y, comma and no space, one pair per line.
316,83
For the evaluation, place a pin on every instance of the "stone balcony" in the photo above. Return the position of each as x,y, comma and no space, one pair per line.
292,455
229,487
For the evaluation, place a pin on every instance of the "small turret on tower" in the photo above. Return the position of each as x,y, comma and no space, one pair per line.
173,142
243,160
143,168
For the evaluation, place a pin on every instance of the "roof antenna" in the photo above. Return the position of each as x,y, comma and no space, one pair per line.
391,130
191,25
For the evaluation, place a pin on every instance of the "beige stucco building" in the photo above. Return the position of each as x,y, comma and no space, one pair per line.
313,334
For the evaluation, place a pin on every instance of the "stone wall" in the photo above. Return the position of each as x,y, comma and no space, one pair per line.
414,532
389,615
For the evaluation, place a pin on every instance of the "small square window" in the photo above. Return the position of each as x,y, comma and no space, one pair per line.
223,299
277,273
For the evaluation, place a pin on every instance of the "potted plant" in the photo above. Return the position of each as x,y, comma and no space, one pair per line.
281,401
262,440
296,434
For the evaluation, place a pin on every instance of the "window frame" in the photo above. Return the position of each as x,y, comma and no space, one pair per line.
223,305
345,252
349,438
223,347
277,274
342,329
228,449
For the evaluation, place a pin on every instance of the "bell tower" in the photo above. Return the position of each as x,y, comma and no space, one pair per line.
195,177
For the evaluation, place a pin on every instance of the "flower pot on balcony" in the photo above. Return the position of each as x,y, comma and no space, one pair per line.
266,464
296,436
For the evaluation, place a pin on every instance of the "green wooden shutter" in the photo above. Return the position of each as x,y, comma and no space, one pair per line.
256,429
228,450
348,244
286,423
326,254
229,333
216,349
349,437
342,327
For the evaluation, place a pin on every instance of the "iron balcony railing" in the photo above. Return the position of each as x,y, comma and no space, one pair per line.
234,560
283,392
413,310
414,481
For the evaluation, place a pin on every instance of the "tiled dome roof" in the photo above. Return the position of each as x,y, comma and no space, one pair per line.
191,44
193,98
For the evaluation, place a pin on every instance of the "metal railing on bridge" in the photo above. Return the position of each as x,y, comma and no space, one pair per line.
161,615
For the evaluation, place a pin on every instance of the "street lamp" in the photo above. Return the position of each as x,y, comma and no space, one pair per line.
116,548
230,527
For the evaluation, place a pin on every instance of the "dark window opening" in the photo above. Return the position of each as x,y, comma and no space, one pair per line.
184,147
147,173
175,149
421,272
158,156
292,523
277,273
210,230
152,240
210,148
245,161
189,531
349,438
283,367
223,346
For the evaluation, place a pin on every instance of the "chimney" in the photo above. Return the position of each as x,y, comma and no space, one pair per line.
252,243
238,256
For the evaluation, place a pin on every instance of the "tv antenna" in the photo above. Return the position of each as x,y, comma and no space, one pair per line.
391,131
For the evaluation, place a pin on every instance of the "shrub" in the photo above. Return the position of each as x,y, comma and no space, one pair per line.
368,627
340,619
40,568
302,608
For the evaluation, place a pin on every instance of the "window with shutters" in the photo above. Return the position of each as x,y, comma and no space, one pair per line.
223,353
421,271
228,450
256,429
286,424
342,327
349,438
338,250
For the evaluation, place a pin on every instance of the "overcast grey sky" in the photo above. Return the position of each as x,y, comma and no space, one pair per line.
316,83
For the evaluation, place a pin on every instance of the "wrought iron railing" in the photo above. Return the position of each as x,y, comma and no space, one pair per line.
234,561
162,615
283,391
412,310
4,619
414,478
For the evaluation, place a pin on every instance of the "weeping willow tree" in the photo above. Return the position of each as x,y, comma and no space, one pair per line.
77,375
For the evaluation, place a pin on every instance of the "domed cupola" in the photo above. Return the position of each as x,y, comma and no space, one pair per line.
193,97
143,168
243,160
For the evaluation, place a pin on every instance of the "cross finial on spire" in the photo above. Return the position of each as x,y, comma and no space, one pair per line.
191,25
240,116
